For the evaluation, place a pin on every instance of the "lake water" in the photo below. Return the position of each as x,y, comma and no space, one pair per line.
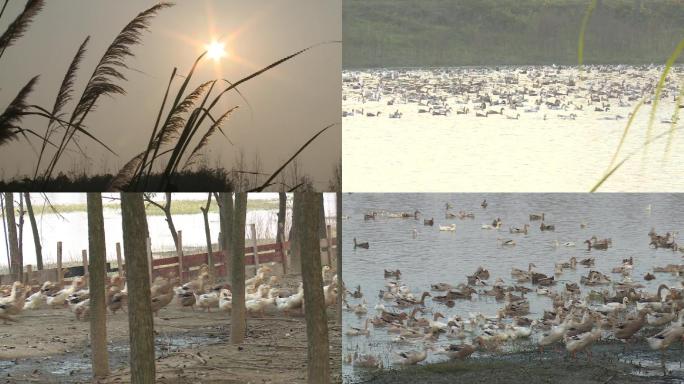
544,151
72,227
434,256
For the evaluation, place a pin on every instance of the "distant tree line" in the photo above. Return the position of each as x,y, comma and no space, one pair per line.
399,33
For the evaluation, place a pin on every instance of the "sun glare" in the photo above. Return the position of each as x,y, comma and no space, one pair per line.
216,50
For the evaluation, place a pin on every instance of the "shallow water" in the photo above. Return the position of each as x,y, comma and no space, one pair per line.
434,256
538,152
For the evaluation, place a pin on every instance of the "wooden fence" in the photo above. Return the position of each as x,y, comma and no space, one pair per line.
255,255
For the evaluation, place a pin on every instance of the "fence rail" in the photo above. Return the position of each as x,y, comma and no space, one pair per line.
265,253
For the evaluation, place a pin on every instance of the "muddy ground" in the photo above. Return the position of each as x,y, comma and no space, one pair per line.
611,363
51,346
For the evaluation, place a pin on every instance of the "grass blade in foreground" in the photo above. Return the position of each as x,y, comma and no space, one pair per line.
276,173
583,29
624,134
607,175
659,89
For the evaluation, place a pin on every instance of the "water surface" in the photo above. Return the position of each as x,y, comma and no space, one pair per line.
434,256
565,146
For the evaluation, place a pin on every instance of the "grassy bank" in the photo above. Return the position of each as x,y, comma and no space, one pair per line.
178,207
201,180
399,33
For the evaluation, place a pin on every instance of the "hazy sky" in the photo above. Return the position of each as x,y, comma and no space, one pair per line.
289,104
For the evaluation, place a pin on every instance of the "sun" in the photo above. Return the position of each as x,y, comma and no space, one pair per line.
216,50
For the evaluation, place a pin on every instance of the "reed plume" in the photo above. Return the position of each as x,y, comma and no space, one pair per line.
177,118
20,25
64,96
122,180
103,81
12,115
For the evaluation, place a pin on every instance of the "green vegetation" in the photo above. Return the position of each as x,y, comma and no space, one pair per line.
400,33
178,207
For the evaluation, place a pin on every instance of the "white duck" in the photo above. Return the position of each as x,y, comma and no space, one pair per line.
261,292
553,336
208,300
225,300
59,299
292,302
614,307
412,357
435,325
447,228
260,306
36,301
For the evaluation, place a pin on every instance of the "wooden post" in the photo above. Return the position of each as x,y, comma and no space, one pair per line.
328,242
179,251
149,257
283,252
119,263
84,255
254,246
29,272
60,272
222,259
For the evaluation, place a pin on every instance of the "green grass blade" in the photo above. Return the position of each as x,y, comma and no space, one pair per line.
624,134
276,173
675,119
583,30
629,156
659,89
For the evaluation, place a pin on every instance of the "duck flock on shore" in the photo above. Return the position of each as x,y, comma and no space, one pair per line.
598,308
264,294
514,93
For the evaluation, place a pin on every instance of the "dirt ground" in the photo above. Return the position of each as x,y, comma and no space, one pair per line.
51,346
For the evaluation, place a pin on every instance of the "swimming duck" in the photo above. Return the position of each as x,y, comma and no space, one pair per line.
364,245
547,227
353,331
519,230
451,227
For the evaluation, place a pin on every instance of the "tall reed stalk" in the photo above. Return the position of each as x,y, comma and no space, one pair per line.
103,81
182,134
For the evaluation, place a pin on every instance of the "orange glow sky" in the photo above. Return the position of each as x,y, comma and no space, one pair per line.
289,104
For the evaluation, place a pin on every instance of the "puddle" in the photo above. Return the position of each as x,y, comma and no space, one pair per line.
76,366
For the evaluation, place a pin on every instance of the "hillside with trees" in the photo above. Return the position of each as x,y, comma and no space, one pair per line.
400,33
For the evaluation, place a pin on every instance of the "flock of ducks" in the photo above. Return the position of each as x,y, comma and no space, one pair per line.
598,307
504,92
263,295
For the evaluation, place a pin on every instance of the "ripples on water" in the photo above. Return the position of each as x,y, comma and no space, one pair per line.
435,256
547,150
